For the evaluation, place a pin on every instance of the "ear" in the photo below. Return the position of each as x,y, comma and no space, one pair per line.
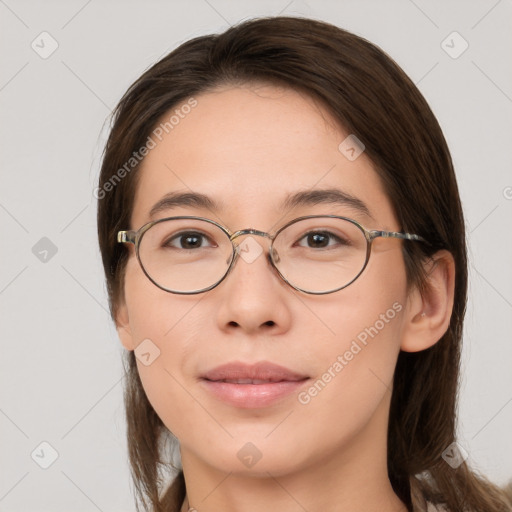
427,316
123,326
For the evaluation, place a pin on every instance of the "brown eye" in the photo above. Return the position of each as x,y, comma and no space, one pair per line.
186,240
321,239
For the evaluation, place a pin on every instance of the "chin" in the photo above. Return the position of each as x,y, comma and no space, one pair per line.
256,459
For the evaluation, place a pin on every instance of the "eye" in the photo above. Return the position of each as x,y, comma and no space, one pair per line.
321,239
187,240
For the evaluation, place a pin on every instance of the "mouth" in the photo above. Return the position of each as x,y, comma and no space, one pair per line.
250,381
251,386
258,373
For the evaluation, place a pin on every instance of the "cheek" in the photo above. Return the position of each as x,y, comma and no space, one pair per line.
370,308
354,374
154,313
361,350
164,328
356,356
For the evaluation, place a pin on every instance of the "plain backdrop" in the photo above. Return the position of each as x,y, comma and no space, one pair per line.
60,364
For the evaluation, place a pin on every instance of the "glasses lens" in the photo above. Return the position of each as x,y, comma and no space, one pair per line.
185,255
320,254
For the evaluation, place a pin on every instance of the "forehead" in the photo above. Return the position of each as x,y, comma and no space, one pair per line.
250,148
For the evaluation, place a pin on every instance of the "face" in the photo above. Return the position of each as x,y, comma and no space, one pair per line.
248,148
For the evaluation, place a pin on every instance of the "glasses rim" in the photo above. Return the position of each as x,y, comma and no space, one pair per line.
135,237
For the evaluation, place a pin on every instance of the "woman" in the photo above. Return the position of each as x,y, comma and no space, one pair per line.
247,179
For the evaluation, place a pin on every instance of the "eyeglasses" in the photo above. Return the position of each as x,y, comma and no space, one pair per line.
316,254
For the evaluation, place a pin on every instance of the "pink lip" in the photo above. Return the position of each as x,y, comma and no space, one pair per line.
278,382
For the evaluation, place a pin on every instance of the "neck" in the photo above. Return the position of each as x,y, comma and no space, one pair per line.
386,502
379,498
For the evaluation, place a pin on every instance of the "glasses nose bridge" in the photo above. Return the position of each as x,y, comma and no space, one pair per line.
272,255
250,231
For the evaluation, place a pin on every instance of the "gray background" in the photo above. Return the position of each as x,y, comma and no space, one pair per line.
60,370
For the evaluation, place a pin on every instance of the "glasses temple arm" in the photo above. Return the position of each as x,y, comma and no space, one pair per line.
126,236
395,234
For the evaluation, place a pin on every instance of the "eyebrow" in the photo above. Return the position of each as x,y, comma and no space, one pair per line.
303,198
327,196
186,199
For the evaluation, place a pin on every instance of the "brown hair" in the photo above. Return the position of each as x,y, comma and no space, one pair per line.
371,97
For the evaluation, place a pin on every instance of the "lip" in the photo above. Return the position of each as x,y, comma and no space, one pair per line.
251,386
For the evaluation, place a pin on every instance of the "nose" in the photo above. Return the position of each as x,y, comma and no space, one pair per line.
252,297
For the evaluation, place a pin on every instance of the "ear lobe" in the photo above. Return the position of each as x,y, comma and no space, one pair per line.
123,327
427,316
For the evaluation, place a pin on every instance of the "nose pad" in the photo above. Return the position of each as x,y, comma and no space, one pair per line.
235,254
275,255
